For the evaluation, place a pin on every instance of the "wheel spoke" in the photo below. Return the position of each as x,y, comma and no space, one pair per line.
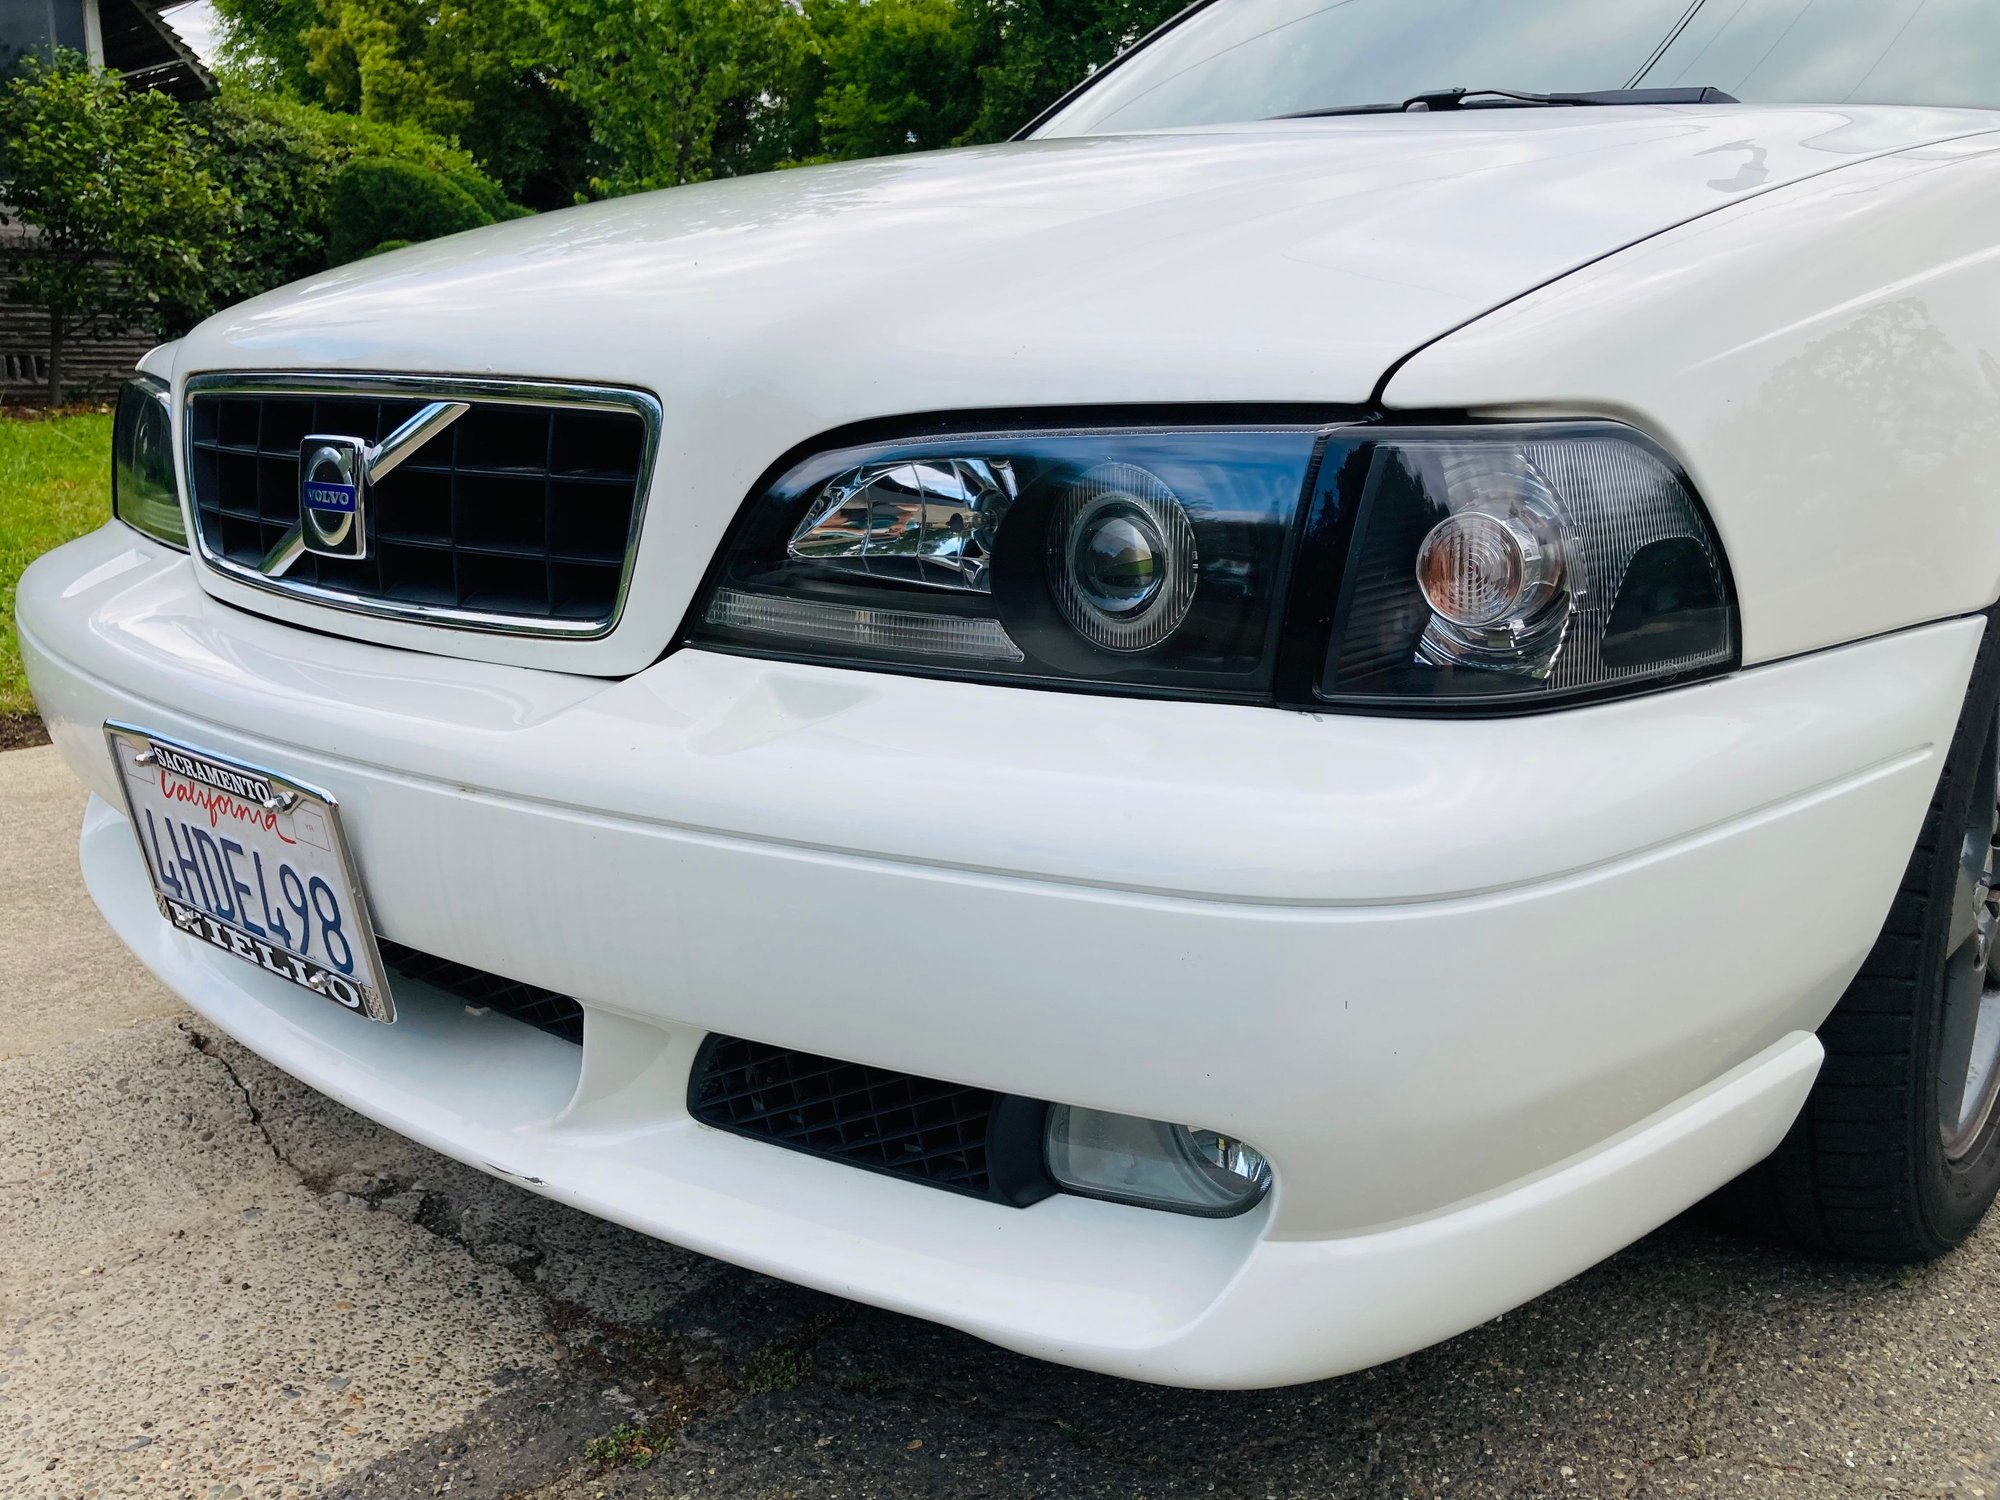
1968,1057
1973,890
1964,990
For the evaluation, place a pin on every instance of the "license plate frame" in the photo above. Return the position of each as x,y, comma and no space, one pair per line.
259,804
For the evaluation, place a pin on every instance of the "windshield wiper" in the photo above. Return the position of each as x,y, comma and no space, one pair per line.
1446,99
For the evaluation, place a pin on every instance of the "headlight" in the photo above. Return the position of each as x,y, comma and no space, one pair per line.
1145,559
143,492
1297,565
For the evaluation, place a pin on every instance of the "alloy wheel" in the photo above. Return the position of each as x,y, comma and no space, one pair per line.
1968,1072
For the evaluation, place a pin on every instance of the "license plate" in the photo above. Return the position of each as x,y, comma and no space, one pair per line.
252,863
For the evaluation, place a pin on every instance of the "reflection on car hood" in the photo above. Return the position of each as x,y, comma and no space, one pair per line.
1287,261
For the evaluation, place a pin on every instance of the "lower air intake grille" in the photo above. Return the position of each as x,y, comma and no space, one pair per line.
946,1135
542,1009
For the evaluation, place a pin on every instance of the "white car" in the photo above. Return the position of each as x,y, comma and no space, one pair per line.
1212,744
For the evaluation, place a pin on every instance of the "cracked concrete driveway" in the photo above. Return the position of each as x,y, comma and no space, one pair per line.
214,1283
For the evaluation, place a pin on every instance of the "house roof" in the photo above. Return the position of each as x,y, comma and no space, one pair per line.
140,44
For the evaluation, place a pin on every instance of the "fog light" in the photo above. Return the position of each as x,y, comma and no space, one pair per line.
1152,1164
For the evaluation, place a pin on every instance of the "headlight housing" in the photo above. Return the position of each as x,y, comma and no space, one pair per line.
1480,567
144,493
1146,559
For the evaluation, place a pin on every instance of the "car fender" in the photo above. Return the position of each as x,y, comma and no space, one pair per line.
1825,362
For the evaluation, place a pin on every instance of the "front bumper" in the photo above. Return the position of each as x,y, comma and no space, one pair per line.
1495,997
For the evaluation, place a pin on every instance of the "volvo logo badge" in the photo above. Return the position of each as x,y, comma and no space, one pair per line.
333,496
336,476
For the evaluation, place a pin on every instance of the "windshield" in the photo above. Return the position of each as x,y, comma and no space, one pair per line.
1255,59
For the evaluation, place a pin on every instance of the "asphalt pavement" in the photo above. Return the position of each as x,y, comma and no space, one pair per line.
216,1284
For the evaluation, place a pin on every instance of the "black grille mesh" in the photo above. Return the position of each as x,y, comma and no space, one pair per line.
545,1010
968,1140
519,510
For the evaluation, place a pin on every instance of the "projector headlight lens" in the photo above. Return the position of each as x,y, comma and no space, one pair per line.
1124,558
1154,1164
1114,560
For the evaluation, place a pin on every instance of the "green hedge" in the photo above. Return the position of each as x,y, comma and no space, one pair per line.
280,160
481,190
378,201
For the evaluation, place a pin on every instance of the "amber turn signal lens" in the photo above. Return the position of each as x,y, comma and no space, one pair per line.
1471,569
1478,570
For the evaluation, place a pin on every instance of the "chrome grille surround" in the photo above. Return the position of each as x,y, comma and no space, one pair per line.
548,396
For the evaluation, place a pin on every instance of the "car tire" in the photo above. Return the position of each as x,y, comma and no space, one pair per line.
1896,1155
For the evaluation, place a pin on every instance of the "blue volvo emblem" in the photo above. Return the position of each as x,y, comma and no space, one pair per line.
335,497
333,488
337,476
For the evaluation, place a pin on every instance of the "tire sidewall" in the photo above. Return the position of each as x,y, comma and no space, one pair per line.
1952,1196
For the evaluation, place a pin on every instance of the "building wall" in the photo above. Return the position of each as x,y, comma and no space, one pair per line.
91,366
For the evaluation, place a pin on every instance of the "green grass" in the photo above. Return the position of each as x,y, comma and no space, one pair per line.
777,1368
637,1446
55,483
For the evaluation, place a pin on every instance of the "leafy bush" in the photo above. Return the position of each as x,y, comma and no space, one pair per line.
375,201
280,158
481,190
484,191
130,225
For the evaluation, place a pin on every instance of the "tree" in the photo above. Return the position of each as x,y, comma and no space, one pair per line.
264,44
113,179
562,99
675,90
896,75
464,70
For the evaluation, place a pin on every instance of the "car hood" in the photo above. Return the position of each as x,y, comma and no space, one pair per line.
1289,261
